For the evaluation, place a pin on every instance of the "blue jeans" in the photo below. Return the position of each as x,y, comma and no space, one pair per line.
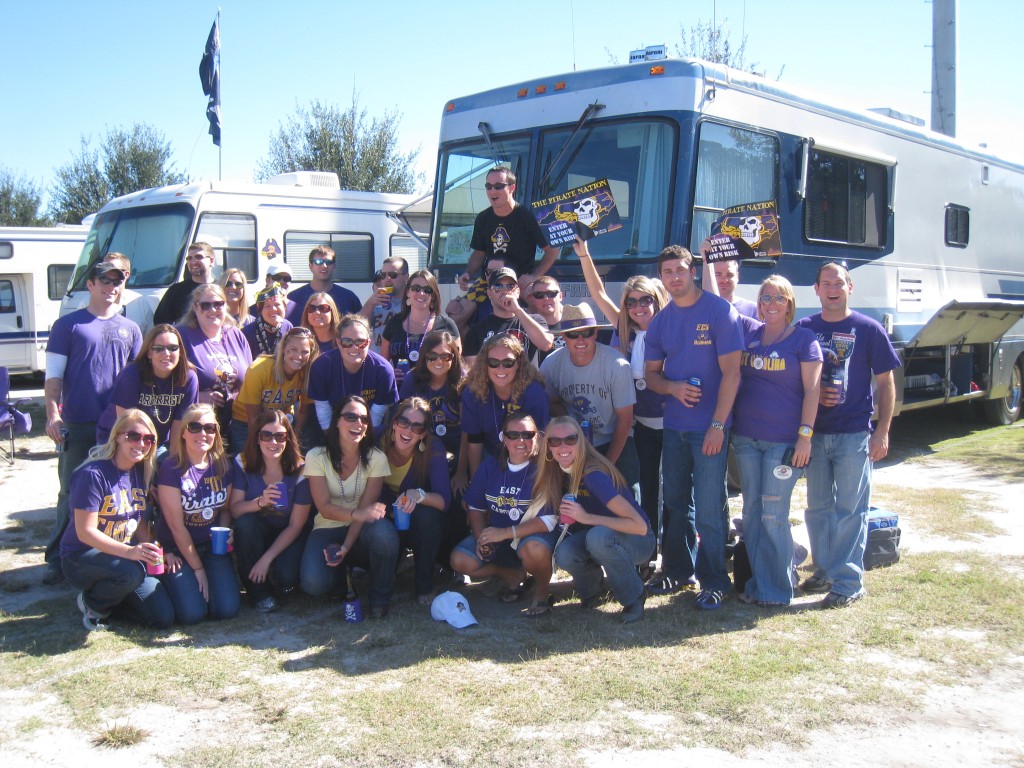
81,437
584,554
189,605
695,503
838,495
110,583
766,529
426,528
253,537
376,548
648,451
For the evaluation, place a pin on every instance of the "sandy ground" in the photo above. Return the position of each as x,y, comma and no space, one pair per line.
976,725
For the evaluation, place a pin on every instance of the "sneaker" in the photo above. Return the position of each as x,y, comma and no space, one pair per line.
634,612
815,585
91,620
53,575
836,600
709,599
267,605
661,584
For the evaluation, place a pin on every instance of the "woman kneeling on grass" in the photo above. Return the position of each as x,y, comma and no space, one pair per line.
193,488
108,498
607,528
511,536
270,502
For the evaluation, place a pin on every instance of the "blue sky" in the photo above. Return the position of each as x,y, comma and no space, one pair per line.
74,68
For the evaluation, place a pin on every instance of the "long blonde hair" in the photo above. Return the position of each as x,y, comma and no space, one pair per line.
478,382
299,332
216,454
108,450
243,302
638,284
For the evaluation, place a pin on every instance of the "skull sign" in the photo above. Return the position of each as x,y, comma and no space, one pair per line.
750,230
588,212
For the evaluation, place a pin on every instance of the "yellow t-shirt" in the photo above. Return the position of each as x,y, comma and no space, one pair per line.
318,464
260,389
397,475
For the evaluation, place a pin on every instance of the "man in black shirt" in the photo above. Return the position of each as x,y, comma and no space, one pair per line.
507,317
176,299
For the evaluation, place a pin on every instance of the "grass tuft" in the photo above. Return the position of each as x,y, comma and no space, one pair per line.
119,736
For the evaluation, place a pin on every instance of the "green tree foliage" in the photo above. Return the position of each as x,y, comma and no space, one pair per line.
20,201
126,161
363,152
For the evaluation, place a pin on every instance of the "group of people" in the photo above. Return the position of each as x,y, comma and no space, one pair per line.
328,433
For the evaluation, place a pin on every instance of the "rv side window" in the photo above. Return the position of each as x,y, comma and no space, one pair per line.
6,297
6,250
234,236
405,247
353,255
734,166
958,225
846,200
57,276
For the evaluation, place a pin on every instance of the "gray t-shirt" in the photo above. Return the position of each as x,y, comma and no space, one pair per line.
592,392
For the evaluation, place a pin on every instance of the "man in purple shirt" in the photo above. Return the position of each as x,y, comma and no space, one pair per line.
692,355
87,349
321,266
855,349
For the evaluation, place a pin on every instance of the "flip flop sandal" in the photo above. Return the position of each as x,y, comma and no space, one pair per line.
539,608
515,594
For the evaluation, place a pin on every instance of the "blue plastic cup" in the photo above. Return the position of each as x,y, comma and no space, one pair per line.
282,501
402,519
219,540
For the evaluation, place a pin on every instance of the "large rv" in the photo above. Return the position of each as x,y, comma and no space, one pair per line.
250,226
35,266
926,225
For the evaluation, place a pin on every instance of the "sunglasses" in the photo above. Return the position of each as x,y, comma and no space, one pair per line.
504,287
322,262
267,436
421,289
538,295
161,348
320,309
348,343
433,357
416,427
585,334
766,298
233,284
525,435
195,257
643,301
300,331
195,428
352,418
390,274
109,280
206,306
499,186
508,362
556,442
137,437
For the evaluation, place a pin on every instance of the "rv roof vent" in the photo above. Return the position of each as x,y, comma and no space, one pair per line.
318,179
897,115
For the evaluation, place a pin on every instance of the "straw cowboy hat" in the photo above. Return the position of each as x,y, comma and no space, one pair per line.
577,316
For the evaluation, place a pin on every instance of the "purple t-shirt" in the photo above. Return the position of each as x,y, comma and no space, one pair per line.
374,381
503,494
445,421
690,340
854,350
261,342
771,396
346,301
745,308
118,498
226,360
164,402
297,489
97,350
203,493
481,419
597,489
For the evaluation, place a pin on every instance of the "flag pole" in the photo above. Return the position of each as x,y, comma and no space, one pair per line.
220,146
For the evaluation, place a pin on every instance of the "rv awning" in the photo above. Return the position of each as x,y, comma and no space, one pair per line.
969,322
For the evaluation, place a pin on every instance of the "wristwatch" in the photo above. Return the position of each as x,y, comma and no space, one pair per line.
716,424
805,431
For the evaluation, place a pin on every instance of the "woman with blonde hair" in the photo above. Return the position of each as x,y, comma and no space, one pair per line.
321,316
193,488
606,528
234,281
107,543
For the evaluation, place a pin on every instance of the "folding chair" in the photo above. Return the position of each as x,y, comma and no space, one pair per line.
11,419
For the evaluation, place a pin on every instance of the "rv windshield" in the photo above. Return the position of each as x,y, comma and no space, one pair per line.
151,237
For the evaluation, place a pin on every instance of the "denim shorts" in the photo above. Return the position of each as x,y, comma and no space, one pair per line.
505,556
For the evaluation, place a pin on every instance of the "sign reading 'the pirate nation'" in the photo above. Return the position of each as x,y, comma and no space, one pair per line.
749,231
587,211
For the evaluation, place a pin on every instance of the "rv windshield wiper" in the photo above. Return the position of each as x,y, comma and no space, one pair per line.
589,112
485,131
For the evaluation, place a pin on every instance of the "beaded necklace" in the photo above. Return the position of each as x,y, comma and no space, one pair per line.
156,407
414,354
356,491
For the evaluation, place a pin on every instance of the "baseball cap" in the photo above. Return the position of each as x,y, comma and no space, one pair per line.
274,270
453,608
501,273
105,267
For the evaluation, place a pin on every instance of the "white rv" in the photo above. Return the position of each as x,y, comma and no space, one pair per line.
251,226
35,266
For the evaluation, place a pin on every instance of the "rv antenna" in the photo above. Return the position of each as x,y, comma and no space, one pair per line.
572,18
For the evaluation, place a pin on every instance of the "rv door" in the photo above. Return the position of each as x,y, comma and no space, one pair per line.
15,337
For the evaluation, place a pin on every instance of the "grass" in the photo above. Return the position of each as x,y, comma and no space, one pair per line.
944,512
119,736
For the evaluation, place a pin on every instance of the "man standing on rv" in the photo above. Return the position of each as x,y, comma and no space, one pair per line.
843,446
175,301
386,299
507,229
87,349
321,267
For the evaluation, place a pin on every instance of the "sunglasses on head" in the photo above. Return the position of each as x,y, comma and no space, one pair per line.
508,362
206,306
106,280
497,185
195,428
320,309
267,436
556,442
321,262
352,418
433,357
643,301
584,334
233,284
137,437
300,331
416,427
766,298
161,348
538,295
348,343
527,434
421,289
